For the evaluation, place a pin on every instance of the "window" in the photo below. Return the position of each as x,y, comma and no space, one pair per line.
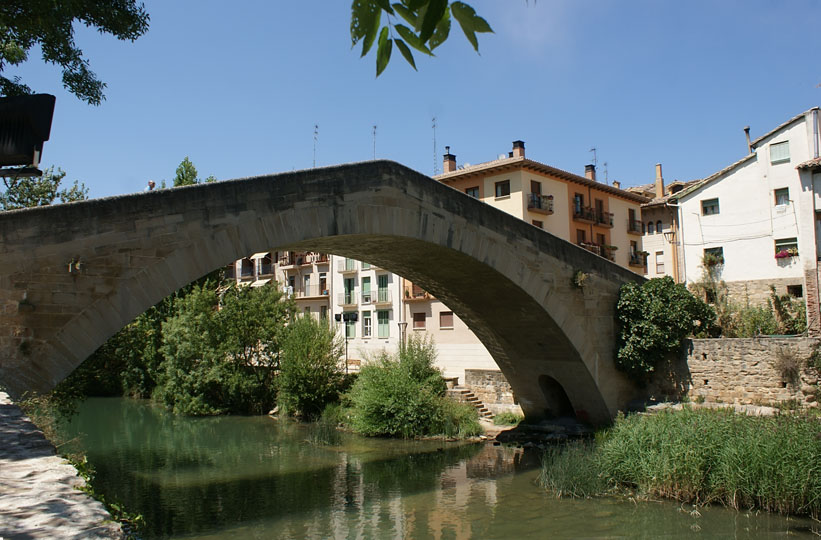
446,319
382,283
367,324
709,207
651,228
366,290
782,196
659,262
383,328
713,256
658,227
581,237
366,266
796,291
306,284
348,285
323,313
418,321
786,247
472,192
600,239
503,188
323,283
537,223
578,203
350,325
634,247
350,264
536,187
307,311
780,152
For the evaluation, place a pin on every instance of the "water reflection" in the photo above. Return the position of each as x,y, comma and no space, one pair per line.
258,478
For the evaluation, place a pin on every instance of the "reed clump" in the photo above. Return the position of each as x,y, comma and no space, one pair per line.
699,456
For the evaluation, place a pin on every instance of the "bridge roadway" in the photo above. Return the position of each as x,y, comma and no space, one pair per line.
72,275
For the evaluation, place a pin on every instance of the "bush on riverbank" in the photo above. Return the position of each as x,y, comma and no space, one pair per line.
699,456
402,395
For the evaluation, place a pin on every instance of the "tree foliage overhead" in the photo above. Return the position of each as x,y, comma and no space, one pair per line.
653,319
49,24
419,24
28,191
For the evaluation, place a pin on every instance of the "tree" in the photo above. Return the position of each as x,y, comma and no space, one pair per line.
429,22
49,24
28,191
186,174
310,376
653,319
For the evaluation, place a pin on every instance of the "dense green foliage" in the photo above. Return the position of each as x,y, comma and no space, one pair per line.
403,396
700,456
223,360
310,373
425,26
653,320
29,191
507,419
49,26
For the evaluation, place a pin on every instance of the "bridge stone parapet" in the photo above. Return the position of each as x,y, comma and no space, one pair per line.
72,275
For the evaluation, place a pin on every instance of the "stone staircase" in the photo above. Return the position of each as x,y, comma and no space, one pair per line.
465,395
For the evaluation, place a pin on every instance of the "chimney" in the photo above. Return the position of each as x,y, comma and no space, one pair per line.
518,149
590,172
449,164
749,144
616,184
659,182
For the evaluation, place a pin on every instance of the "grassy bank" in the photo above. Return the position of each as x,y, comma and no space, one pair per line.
698,456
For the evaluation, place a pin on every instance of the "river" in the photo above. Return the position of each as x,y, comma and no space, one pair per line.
256,477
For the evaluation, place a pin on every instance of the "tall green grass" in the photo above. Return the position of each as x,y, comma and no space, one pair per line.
699,456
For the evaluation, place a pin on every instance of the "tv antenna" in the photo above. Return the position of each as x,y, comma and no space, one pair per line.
374,142
316,137
605,172
595,162
435,157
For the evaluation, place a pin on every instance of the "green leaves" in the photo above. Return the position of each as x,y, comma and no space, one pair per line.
429,27
470,22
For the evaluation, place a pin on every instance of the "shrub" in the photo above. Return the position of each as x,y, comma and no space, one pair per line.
507,418
572,470
310,376
654,318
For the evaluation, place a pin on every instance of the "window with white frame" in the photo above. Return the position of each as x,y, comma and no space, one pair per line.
782,196
780,152
659,262
367,324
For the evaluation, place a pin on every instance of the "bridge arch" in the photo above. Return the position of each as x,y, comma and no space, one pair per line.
72,275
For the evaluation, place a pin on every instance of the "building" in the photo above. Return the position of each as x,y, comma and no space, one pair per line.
757,217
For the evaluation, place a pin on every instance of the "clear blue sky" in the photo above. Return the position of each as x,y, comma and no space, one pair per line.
239,89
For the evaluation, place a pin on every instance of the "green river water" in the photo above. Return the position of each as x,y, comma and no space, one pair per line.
256,477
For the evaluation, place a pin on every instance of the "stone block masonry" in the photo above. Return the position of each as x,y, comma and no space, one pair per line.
743,371
492,389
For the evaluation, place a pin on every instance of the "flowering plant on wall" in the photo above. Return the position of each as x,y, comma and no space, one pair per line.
784,253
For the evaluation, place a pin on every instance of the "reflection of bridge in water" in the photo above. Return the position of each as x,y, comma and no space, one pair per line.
72,275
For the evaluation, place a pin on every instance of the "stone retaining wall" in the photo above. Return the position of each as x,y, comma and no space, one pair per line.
491,387
760,371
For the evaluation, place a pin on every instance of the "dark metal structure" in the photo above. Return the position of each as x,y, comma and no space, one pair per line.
25,124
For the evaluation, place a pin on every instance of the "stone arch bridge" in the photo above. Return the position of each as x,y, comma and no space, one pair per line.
72,275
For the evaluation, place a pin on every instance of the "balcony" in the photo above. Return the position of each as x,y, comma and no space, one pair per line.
585,214
634,227
602,250
604,219
541,204
638,259
347,266
591,247
312,291
383,296
346,299
318,258
287,259
417,296
265,269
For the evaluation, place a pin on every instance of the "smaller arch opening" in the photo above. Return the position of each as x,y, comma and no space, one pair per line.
557,403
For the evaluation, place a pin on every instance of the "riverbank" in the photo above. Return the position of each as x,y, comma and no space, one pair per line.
698,456
38,490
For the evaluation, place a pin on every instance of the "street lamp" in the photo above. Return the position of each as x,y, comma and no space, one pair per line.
347,317
25,123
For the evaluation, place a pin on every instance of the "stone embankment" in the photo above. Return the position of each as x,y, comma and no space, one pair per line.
38,490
